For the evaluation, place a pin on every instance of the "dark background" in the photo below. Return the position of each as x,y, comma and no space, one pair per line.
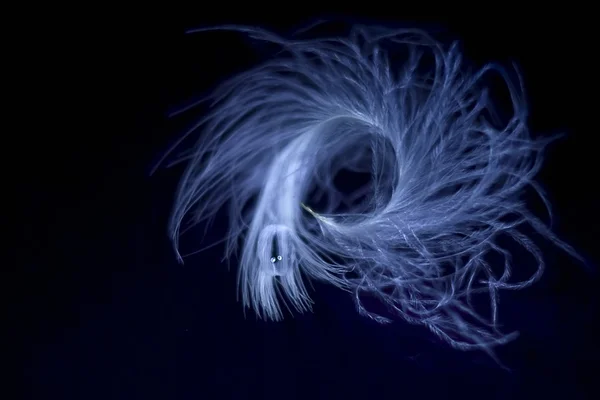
105,312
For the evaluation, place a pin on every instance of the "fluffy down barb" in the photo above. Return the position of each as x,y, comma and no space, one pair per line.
444,193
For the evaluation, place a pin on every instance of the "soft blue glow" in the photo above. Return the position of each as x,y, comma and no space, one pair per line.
447,178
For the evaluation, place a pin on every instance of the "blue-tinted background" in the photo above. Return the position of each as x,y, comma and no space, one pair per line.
107,313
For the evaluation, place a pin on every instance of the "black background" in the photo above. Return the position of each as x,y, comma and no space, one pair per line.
104,311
